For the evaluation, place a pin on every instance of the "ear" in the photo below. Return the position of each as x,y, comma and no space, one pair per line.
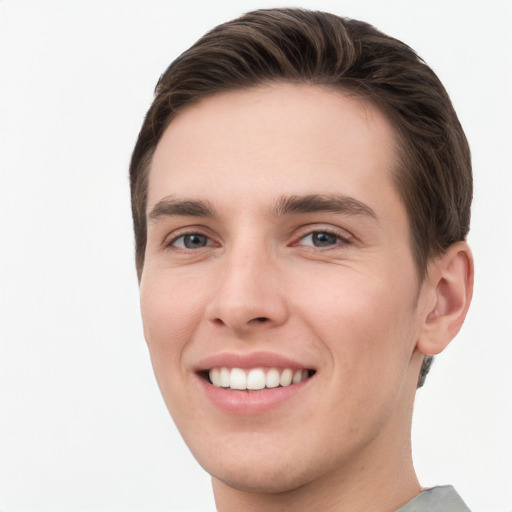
450,282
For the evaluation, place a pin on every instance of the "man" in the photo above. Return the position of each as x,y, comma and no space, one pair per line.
301,192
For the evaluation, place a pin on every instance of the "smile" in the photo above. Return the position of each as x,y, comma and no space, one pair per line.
255,379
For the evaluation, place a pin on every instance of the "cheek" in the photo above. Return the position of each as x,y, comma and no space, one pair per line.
370,340
368,325
169,306
170,315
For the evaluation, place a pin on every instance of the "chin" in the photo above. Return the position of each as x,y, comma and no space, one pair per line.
269,480
272,469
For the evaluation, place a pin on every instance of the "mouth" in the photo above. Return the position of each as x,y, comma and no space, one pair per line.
255,379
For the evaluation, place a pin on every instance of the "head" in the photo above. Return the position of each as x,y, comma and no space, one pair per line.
287,62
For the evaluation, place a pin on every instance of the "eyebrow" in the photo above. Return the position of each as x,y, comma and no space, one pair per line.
285,205
170,207
334,203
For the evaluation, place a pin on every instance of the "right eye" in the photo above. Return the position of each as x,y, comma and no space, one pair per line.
190,241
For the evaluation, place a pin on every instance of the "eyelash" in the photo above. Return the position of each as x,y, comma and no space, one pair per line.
340,240
172,242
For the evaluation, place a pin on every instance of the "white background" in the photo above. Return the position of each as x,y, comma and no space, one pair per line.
82,424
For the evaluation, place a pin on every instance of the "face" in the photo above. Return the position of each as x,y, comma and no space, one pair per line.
278,250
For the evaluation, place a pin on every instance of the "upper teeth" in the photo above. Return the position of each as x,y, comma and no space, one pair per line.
256,378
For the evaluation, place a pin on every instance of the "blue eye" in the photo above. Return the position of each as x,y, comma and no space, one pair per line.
191,241
321,239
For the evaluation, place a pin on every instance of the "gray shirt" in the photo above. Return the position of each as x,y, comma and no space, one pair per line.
438,499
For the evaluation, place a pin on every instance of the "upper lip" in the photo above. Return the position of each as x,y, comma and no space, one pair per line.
250,360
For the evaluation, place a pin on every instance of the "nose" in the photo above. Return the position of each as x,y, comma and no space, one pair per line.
249,293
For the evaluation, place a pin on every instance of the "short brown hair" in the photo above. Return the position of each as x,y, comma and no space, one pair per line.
433,174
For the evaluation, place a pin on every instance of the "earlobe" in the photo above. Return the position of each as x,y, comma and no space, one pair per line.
451,280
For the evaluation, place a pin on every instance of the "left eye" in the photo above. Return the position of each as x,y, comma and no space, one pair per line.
191,241
321,239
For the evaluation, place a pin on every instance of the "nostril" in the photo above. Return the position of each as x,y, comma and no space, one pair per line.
261,319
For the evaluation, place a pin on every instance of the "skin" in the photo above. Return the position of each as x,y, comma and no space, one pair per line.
353,309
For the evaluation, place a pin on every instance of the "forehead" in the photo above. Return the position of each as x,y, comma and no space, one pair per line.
307,139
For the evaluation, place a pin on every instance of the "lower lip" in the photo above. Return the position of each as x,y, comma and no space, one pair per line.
251,402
